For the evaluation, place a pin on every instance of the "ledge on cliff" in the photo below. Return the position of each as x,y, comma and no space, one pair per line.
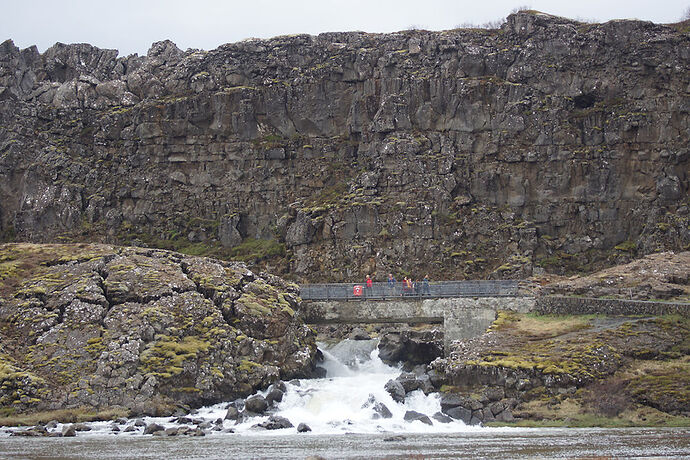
143,330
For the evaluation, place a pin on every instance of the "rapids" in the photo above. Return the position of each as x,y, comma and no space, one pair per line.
341,401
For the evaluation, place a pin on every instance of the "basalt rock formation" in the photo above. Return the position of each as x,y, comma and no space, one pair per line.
139,329
547,143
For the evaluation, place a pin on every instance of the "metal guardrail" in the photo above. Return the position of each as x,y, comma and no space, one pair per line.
384,291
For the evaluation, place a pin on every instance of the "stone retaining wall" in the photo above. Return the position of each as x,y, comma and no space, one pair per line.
585,306
462,318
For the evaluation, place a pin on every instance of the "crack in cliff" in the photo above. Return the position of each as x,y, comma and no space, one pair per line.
215,299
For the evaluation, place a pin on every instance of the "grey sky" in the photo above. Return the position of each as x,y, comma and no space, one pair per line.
132,25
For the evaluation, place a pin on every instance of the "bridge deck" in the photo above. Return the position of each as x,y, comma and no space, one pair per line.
384,291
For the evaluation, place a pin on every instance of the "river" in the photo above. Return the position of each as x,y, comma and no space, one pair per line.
339,409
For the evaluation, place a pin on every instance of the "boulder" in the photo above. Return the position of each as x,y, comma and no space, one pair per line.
273,396
381,411
153,428
359,334
396,390
441,418
231,414
459,413
303,428
408,381
275,422
411,347
68,431
411,416
256,404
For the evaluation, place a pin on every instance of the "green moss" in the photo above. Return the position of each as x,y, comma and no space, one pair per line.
248,366
254,250
166,356
627,246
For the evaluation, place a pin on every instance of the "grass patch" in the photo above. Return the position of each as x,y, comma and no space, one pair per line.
255,250
76,415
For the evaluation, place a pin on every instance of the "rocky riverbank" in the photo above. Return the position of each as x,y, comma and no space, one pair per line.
137,331
581,369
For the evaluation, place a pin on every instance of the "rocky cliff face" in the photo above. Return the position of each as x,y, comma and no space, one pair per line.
145,330
547,143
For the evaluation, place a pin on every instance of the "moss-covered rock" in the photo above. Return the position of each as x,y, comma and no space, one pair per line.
101,326
579,370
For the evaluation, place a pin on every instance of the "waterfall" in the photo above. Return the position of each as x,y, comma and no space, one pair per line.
348,399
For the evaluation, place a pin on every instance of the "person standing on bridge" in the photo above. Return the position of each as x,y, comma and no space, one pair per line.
425,286
370,285
391,284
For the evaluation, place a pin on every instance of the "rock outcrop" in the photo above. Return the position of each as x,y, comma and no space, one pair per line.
570,370
140,329
547,143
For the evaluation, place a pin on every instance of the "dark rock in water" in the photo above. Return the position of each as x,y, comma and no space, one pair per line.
450,400
412,415
319,372
275,422
359,334
129,429
114,428
238,403
52,424
139,422
459,413
280,385
68,431
412,347
274,395
218,421
184,420
172,431
425,384
153,428
256,404
382,411
396,390
475,421
55,434
303,428
408,381
81,427
181,411
232,413
441,418
121,421
397,437
205,425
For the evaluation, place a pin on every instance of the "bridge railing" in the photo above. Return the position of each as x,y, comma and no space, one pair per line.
383,291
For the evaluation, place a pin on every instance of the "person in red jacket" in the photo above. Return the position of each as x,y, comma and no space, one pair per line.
370,284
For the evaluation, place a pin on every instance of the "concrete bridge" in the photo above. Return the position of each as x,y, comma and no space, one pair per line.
461,317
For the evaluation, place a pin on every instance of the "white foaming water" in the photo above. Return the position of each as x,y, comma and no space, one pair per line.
342,401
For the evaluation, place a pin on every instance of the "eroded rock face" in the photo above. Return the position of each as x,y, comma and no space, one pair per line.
548,143
99,326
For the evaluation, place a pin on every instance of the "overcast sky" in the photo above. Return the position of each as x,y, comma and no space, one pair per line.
130,26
